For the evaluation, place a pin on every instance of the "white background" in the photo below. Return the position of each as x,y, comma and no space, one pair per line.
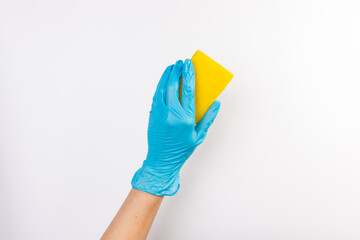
282,160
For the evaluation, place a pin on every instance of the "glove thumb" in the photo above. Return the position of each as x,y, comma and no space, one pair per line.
203,126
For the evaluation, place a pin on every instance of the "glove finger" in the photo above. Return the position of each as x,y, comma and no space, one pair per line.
188,88
172,93
203,126
159,96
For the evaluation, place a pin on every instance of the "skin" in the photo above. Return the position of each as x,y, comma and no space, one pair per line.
135,217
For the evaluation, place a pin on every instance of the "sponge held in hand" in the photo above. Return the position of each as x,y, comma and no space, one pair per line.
210,80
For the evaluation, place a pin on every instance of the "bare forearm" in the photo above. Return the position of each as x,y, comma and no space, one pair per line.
135,217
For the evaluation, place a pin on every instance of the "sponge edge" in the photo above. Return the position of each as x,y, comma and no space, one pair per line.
210,80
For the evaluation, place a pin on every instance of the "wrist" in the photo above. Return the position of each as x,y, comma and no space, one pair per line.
156,181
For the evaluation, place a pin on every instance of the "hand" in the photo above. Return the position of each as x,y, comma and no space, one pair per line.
172,133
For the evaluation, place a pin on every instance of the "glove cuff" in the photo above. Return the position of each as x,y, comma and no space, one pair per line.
147,179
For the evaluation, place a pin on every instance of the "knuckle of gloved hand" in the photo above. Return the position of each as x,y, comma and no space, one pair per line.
172,89
186,75
188,122
180,124
188,89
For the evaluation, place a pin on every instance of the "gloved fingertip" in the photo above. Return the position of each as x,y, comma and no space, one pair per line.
179,63
216,104
213,110
170,67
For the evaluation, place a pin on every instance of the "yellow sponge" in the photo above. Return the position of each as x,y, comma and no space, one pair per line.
210,80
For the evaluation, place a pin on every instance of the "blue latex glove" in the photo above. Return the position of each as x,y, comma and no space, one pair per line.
172,133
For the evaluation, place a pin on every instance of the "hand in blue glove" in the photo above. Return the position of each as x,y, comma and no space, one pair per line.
172,133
